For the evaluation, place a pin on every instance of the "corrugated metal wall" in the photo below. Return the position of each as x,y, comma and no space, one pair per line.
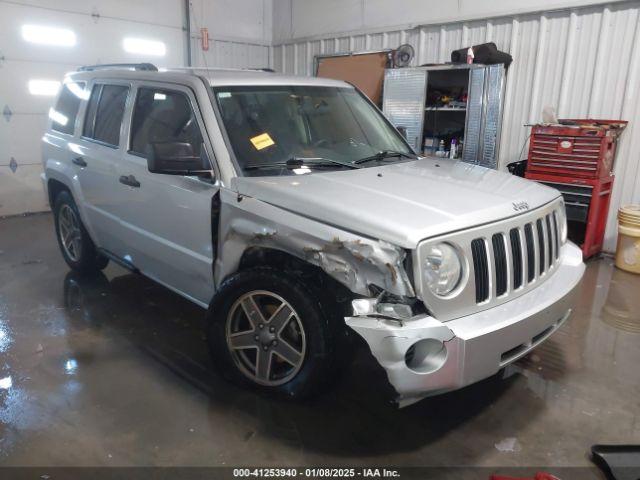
229,54
585,62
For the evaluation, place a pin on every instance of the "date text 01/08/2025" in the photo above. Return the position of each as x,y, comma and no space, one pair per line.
315,473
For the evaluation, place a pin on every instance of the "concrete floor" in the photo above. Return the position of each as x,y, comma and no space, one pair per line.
114,371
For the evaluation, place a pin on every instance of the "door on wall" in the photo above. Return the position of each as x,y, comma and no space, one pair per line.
41,41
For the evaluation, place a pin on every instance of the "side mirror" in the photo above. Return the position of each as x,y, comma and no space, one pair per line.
402,131
176,158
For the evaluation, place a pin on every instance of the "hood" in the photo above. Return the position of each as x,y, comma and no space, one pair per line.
402,203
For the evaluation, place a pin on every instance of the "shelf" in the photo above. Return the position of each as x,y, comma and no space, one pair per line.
445,109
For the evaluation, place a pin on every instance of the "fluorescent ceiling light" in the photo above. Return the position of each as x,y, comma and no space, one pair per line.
44,87
144,47
59,37
59,118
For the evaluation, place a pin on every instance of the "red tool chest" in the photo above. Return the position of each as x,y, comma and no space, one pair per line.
584,148
576,157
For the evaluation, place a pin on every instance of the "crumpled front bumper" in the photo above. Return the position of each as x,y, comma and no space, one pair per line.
453,354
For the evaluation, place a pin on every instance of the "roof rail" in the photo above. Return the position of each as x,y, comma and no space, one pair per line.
150,67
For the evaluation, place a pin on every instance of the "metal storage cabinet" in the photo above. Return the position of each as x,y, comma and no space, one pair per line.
405,103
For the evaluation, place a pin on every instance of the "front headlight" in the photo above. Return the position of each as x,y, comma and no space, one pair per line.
442,269
562,223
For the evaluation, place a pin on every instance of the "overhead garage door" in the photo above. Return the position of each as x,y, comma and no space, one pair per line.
38,44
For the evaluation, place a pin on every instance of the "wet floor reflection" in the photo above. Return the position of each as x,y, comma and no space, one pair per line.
344,422
622,307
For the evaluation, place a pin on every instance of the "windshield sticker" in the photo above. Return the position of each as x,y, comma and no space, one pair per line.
224,94
262,141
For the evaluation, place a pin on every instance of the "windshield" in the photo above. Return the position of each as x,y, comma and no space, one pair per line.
286,130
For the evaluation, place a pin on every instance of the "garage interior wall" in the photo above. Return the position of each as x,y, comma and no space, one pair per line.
584,61
239,33
239,36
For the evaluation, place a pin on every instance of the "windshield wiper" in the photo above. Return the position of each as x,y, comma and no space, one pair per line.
297,162
385,154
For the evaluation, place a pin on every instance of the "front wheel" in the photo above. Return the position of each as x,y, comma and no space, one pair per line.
268,330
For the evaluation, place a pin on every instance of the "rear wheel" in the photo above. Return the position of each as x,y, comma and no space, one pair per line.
77,248
268,330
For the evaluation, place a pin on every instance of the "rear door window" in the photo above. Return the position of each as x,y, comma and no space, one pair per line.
63,116
105,113
163,116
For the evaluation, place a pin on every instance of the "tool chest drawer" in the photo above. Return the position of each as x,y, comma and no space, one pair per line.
580,148
564,154
577,199
587,205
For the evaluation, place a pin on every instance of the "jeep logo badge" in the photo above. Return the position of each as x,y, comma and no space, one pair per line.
518,206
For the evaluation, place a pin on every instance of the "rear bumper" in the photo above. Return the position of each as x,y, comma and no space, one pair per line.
450,355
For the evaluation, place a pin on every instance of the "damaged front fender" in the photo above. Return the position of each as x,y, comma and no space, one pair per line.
355,261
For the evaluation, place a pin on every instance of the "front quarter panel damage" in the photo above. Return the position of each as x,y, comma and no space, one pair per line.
352,260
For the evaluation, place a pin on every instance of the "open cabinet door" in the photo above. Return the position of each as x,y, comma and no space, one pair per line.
492,116
405,91
475,105
484,116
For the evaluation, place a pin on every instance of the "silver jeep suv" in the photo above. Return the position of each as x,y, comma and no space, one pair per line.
294,212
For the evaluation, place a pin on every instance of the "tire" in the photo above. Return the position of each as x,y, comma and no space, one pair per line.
79,252
310,332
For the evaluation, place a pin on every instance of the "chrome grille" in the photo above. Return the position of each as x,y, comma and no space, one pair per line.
531,253
542,252
541,246
481,272
503,260
500,261
516,252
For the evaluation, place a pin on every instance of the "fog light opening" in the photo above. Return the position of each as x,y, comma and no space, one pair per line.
426,356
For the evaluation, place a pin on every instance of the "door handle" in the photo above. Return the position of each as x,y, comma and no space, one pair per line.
79,161
130,181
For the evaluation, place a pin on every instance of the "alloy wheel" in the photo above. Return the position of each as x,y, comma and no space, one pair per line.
266,338
70,233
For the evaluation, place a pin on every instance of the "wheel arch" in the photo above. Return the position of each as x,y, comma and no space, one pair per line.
54,187
336,296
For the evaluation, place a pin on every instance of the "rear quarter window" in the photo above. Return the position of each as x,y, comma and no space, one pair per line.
63,115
